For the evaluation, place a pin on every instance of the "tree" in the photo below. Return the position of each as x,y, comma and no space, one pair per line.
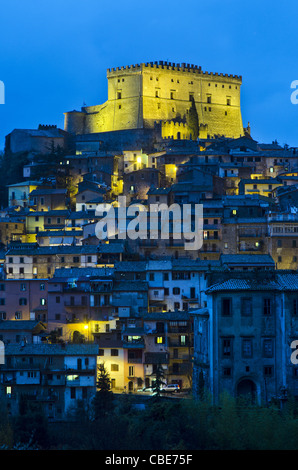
193,120
104,397
159,380
201,385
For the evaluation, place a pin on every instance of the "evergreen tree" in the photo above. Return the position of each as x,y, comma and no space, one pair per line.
159,380
104,397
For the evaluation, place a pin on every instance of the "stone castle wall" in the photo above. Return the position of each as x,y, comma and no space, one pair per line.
139,95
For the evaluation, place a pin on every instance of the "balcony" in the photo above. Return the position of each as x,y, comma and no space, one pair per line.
179,329
253,235
176,343
133,344
67,303
135,360
190,299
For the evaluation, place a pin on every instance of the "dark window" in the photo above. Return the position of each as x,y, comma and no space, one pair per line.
227,371
268,371
114,352
227,347
267,307
160,327
226,307
246,347
268,348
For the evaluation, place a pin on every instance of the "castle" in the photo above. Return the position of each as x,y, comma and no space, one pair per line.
139,96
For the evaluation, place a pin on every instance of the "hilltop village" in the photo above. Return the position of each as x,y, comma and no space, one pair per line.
222,317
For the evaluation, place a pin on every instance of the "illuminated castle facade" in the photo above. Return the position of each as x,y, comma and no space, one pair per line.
141,95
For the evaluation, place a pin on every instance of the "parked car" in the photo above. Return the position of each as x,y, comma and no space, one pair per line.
147,389
171,388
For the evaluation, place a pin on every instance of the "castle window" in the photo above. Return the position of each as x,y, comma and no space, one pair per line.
228,101
268,371
123,79
177,81
210,109
119,95
226,113
236,87
173,109
230,86
209,84
205,109
208,98
172,95
156,93
151,78
226,347
215,85
158,105
191,96
157,79
246,347
119,106
223,86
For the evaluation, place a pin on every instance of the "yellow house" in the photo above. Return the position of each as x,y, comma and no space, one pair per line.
263,187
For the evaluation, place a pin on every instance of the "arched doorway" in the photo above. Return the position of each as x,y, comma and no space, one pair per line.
246,388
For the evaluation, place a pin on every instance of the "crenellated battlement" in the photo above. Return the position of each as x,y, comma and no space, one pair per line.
143,93
164,65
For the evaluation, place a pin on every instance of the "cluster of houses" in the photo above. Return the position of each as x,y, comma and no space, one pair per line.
221,317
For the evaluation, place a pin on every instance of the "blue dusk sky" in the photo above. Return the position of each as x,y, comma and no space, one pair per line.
54,54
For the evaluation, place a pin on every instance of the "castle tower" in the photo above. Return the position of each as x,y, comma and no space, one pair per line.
139,95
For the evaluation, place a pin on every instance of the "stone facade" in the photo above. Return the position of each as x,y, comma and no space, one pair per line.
143,94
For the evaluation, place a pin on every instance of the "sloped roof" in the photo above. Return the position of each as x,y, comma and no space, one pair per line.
20,325
240,260
52,349
46,191
276,281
